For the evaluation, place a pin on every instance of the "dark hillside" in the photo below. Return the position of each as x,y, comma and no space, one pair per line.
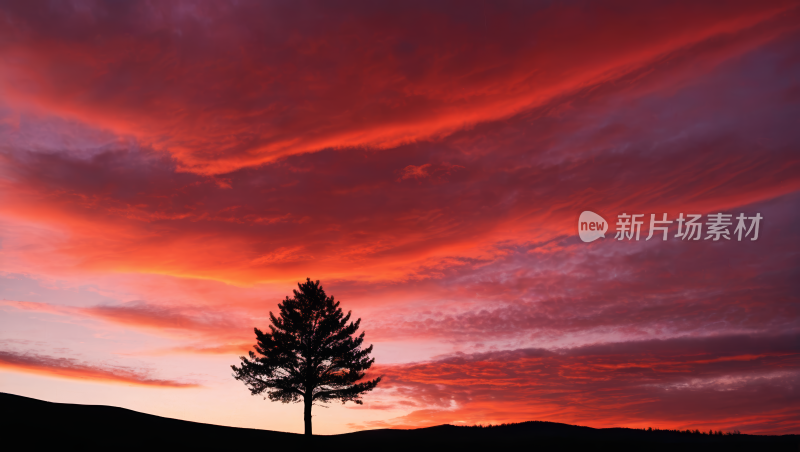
36,424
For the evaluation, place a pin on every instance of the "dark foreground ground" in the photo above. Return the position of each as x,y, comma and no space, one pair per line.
37,425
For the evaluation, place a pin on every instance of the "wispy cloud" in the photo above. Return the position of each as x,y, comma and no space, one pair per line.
74,369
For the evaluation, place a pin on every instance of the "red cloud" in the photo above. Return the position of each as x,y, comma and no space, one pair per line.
428,171
415,172
165,319
610,289
537,168
346,78
727,382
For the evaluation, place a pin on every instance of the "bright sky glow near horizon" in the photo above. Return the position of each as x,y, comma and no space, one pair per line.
169,171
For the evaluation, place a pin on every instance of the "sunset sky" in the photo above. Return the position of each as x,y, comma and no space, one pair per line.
170,170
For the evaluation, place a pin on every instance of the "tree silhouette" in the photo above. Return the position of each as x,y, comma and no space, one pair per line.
310,353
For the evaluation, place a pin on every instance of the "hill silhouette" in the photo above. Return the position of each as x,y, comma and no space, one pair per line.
39,424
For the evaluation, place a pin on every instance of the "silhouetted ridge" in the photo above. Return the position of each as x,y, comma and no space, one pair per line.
41,424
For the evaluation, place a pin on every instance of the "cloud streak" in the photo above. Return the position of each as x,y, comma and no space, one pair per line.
60,367
384,85
723,382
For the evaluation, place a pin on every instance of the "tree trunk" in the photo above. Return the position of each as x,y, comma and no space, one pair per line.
307,415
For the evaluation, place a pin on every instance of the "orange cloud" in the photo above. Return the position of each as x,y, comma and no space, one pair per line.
76,370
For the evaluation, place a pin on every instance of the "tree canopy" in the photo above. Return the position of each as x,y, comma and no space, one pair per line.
311,354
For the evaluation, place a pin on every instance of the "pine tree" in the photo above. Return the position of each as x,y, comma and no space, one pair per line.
309,355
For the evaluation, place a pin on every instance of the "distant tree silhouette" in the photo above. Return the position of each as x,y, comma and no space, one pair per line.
311,353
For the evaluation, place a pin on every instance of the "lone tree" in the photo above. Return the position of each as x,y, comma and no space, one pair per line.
310,353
